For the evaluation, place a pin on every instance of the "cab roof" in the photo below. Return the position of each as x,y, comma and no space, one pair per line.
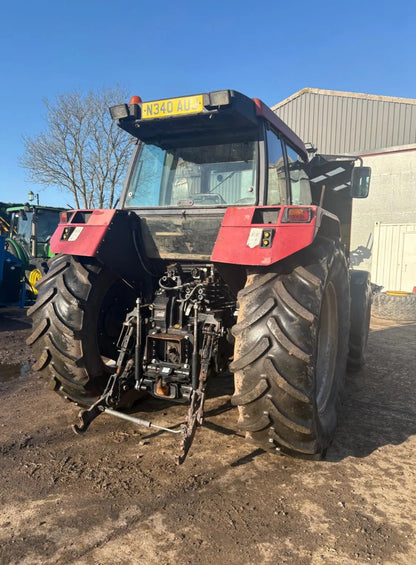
203,116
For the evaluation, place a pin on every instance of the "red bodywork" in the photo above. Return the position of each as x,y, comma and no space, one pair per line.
239,241
239,238
83,238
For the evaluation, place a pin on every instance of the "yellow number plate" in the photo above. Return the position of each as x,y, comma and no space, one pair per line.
173,107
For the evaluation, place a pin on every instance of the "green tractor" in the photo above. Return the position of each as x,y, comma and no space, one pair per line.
30,230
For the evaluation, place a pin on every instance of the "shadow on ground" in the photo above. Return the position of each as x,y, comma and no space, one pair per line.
13,319
379,405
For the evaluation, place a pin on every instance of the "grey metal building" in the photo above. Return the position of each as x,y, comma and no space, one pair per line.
348,123
382,130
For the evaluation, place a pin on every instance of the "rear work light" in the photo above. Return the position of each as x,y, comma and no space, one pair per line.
119,111
297,215
132,109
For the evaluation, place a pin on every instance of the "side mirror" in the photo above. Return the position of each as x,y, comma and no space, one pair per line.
360,182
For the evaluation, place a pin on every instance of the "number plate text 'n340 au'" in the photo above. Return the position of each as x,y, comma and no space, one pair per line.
172,107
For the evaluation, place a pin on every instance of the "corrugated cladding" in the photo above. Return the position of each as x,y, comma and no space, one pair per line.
346,122
390,262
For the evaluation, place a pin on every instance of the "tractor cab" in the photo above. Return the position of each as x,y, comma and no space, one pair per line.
31,228
211,151
199,155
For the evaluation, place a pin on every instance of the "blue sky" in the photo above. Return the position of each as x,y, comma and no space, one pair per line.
165,48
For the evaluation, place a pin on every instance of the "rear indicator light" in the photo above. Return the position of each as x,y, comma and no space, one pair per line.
267,237
297,215
63,217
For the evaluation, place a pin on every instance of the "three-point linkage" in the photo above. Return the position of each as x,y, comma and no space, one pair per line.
128,377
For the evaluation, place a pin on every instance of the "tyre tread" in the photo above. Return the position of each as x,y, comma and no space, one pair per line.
276,346
64,341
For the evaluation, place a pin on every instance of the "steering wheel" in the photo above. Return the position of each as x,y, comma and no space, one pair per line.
207,198
246,200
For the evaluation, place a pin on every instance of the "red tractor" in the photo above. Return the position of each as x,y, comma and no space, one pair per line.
229,253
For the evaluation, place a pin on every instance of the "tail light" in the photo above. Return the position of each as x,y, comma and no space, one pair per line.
297,215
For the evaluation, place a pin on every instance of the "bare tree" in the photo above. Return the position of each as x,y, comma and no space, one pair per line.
81,150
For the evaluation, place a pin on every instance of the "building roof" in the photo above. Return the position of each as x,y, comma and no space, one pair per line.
337,122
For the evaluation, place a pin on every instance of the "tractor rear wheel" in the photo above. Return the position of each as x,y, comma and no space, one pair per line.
360,290
291,350
77,318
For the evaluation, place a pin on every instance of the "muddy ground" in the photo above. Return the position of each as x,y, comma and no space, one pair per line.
115,495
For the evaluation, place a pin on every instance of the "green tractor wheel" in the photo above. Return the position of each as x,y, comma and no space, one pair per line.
17,250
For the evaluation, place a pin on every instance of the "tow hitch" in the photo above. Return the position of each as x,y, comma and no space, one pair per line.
87,416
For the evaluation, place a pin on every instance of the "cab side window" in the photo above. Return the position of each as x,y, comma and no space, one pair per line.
299,181
276,188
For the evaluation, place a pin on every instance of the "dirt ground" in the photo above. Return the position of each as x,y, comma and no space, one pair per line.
116,496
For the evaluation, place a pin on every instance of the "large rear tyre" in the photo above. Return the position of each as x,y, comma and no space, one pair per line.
291,350
77,319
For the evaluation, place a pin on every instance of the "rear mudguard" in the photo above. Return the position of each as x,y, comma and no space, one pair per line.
83,232
249,235
262,236
111,236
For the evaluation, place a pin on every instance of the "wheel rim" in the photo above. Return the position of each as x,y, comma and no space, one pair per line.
116,303
34,276
327,348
